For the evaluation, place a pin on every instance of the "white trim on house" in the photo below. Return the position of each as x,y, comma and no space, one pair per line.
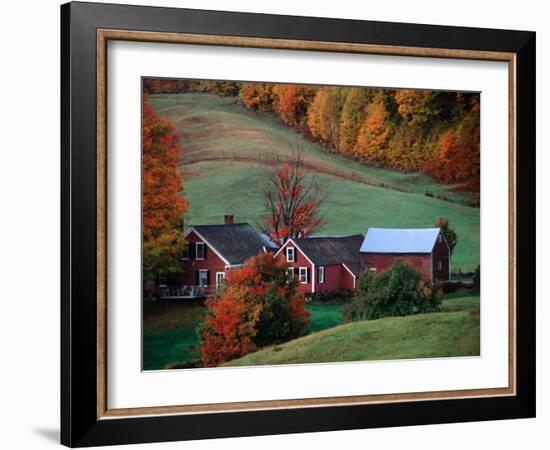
218,284
300,274
313,279
191,229
352,274
321,270
297,246
293,254
203,271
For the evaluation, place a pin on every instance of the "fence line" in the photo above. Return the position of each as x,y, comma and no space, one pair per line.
271,158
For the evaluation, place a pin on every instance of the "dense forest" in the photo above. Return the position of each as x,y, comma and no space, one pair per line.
433,132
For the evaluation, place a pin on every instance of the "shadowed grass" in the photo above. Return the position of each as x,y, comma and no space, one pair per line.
169,331
169,334
324,316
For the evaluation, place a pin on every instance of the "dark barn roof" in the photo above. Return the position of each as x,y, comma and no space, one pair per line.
325,251
235,242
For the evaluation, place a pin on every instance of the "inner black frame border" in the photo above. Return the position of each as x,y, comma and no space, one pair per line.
79,423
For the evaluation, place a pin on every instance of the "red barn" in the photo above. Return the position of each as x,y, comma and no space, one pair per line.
212,250
323,263
423,248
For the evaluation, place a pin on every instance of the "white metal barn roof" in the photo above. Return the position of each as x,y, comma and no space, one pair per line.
399,240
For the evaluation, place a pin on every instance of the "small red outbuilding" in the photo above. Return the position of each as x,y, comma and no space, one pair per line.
425,249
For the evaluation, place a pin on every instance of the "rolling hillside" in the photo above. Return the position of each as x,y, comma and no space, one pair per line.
227,149
422,336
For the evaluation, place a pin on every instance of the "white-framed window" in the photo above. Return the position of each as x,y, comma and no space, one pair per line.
199,250
321,275
439,265
290,272
372,269
290,254
203,277
220,280
303,275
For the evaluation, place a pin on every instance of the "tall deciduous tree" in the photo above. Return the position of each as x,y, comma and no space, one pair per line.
353,114
163,201
414,106
458,159
324,115
292,202
291,102
374,134
257,96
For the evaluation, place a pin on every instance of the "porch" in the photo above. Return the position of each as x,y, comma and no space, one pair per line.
185,292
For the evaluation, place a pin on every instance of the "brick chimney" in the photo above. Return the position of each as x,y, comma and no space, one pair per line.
228,219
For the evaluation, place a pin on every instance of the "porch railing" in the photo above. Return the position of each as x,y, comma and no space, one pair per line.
186,291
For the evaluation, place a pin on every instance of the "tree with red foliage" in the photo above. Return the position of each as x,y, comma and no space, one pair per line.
292,201
291,102
258,306
459,152
288,102
163,201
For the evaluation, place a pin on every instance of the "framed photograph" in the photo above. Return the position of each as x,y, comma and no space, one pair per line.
276,224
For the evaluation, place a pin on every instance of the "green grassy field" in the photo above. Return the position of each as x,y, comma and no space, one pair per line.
227,150
169,331
170,339
324,316
169,335
421,336
461,301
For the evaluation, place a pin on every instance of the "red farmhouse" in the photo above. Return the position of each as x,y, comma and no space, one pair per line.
324,263
320,263
424,249
211,251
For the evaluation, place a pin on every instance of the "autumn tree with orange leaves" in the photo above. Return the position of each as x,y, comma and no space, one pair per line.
292,101
458,159
163,201
259,305
373,137
434,132
292,201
